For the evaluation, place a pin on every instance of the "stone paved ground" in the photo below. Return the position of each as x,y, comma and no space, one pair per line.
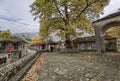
78,67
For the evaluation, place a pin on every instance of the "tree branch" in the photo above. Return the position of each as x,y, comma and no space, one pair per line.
61,15
66,13
87,5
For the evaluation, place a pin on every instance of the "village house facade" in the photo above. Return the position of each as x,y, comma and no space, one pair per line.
88,43
79,44
38,46
12,48
50,46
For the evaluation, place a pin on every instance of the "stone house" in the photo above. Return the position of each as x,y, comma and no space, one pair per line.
13,47
88,43
44,46
38,46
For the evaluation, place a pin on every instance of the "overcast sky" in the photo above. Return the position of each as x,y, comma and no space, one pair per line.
17,11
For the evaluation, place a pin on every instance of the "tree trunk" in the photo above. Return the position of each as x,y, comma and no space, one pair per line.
68,43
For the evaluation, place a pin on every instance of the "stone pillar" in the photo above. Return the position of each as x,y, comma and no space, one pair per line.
98,41
99,36
98,45
102,44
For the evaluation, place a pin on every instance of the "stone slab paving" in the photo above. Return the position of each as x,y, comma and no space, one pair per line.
68,67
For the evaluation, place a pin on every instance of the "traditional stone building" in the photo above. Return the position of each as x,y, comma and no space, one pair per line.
12,48
88,43
38,46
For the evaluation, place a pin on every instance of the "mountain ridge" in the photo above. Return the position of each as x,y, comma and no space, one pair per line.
27,34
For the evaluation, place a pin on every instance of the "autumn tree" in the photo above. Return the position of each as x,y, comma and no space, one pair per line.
35,40
64,17
114,31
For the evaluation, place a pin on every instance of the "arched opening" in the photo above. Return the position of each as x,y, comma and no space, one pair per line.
113,44
101,26
110,25
111,33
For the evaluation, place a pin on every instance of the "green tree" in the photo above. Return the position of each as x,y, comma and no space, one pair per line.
64,17
5,34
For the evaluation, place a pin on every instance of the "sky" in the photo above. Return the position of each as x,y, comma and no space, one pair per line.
112,7
15,12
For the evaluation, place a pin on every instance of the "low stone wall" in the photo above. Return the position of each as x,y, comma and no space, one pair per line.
69,50
10,70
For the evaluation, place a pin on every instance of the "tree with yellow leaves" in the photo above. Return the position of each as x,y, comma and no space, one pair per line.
35,40
64,17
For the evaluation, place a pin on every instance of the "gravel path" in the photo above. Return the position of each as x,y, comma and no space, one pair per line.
74,67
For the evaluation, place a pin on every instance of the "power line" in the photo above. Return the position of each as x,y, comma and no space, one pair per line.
18,22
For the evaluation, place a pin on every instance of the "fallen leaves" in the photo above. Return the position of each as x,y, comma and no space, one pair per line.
31,74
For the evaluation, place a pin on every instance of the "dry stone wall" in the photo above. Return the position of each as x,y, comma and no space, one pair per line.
10,70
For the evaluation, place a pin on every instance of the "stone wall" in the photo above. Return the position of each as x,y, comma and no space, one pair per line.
74,50
10,70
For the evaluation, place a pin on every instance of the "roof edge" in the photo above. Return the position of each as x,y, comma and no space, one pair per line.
108,16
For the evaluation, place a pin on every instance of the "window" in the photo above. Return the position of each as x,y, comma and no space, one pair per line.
15,45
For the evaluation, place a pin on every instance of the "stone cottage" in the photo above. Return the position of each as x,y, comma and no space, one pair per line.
88,43
12,47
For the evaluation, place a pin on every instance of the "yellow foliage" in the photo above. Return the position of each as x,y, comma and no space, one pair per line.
35,40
